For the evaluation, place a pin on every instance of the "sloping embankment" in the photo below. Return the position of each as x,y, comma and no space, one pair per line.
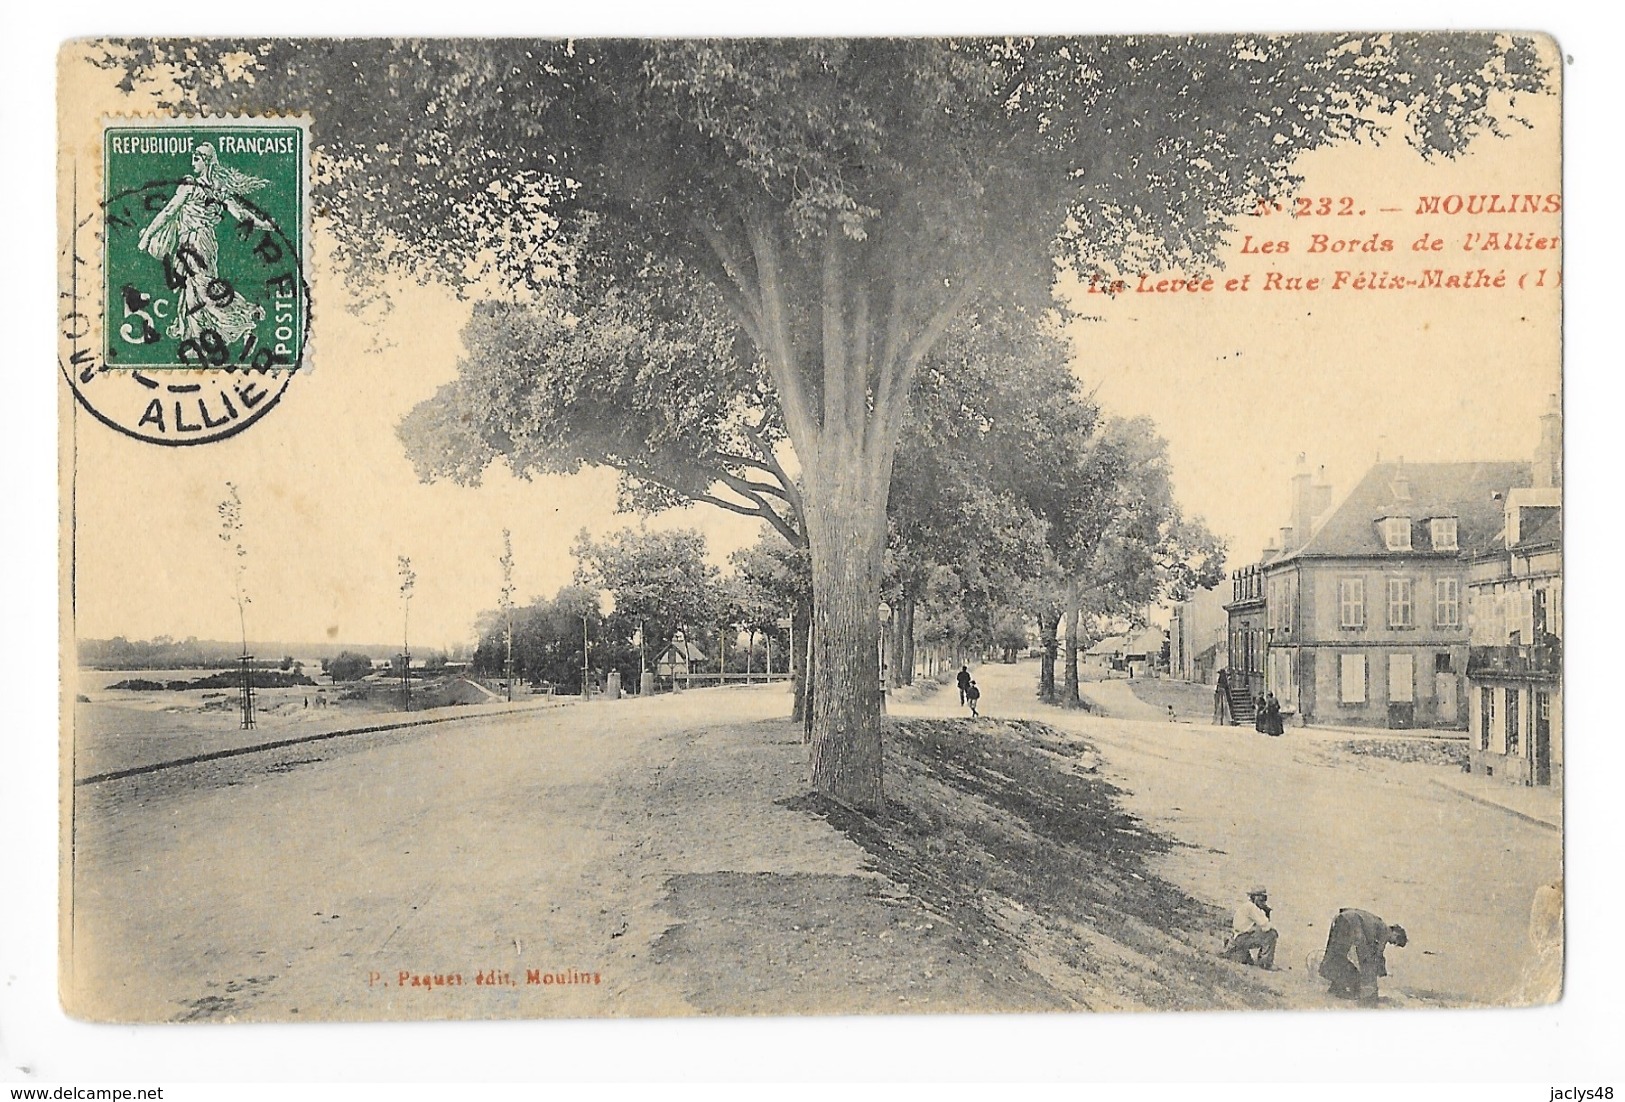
1006,828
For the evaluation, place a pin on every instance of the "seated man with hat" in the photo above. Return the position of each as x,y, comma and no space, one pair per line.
1251,931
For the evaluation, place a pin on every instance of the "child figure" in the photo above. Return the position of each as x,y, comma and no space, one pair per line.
972,695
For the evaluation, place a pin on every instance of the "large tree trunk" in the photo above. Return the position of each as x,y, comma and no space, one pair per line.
847,529
1049,623
843,379
1074,607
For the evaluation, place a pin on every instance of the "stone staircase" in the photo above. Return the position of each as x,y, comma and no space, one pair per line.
1242,707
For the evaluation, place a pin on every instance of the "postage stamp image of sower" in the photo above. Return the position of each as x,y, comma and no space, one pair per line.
203,247
204,231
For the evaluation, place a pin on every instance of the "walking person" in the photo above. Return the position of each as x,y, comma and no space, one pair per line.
1221,699
972,696
964,684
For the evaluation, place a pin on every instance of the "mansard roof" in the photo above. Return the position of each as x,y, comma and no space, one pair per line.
1473,493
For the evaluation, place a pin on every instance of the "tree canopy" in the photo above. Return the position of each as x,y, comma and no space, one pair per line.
659,579
809,217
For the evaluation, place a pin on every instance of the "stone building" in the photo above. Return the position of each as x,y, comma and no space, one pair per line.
1358,616
1198,636
1515,609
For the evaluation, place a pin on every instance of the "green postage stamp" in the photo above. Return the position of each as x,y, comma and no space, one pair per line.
204,228
203,273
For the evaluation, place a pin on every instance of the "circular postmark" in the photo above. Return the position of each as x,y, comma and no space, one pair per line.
196,320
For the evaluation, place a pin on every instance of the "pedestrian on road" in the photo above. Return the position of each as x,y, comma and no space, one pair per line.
972,695
1221,699
964,684
1354,954
1251,931
1272,715
1258,714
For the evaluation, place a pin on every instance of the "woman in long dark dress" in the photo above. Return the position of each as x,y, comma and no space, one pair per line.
1272,716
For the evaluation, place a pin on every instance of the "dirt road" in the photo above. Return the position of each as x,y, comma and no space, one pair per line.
1323,830
391,875
633,858
659,857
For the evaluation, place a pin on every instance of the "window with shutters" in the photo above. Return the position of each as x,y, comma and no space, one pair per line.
1351,602
1443,533
1447,603
1396,533
1352,687
1401,679
1401,603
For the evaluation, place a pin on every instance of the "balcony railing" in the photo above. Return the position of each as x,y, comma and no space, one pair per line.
1543,661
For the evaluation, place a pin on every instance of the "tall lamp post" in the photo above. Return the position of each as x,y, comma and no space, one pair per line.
506,562
409,579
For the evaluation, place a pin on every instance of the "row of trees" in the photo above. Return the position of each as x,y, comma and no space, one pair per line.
633,594
727,265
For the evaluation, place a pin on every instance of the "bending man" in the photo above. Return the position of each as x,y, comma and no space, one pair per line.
1354,953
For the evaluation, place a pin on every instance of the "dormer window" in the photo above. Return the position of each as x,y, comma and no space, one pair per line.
1444,533
1396,533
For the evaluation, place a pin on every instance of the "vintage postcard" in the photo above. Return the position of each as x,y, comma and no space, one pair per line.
628,527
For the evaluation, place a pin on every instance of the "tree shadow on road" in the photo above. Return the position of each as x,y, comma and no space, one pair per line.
1006,829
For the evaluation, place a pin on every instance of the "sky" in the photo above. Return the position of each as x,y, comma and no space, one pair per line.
1242,383
1239,383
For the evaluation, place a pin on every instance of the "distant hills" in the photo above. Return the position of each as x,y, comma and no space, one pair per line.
167,653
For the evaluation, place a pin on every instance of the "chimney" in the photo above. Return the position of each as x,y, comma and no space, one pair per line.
1322,493
1549,452
1402,482
1302,506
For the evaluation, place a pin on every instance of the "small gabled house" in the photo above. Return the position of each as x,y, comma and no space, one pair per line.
1143,650
679,659
1107,653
